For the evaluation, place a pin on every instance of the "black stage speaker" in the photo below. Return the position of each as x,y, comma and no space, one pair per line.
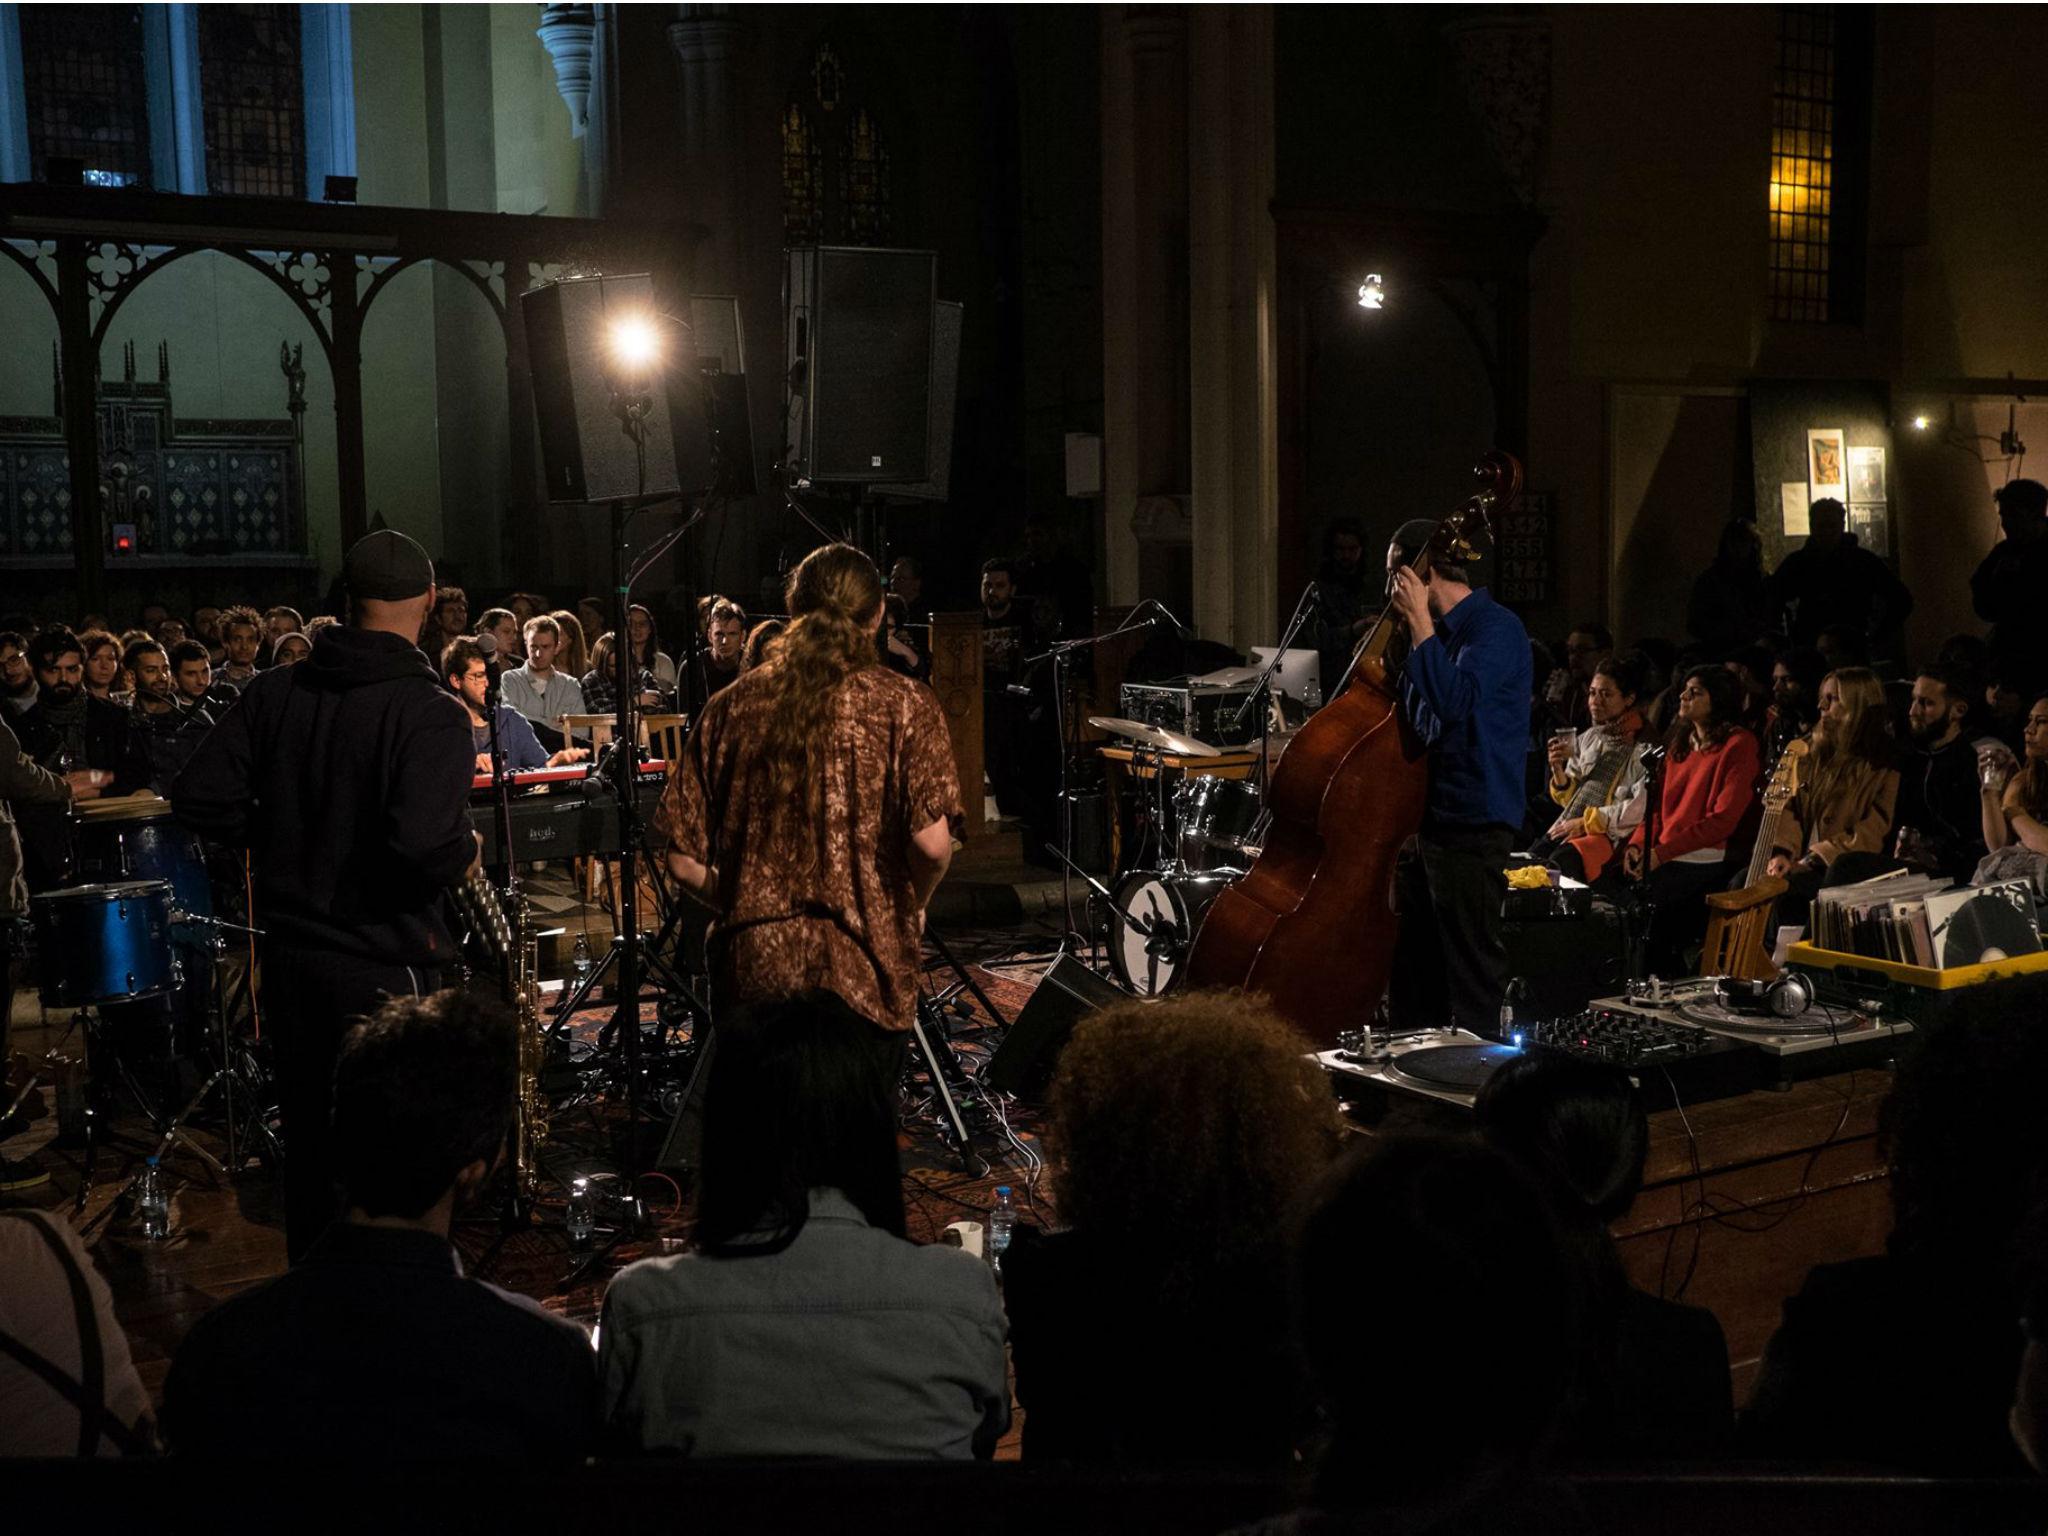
1564,963
859,337
937,483
722,360
584,446
1024,1062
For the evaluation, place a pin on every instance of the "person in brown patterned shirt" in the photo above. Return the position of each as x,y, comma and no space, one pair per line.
815,807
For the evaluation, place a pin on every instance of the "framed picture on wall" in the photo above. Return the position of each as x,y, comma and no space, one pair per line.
1866,476
1827,467
1868,521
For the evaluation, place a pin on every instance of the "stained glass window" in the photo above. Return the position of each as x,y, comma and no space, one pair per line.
83,84
803,179
864,181
1803,167
252,86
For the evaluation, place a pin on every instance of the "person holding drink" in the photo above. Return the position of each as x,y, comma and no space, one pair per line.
1594,774
2015,792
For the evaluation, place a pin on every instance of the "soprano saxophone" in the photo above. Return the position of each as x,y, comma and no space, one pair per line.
502,922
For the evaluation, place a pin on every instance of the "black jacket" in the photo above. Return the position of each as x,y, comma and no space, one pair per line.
1940,798
347,778
1846,586
110,743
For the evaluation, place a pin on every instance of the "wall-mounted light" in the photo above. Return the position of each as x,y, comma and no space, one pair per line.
1919,423
1372,293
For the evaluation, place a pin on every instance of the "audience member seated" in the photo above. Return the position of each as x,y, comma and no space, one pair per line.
907,582
896,645
1751,665
1707,793
281,621
192,673
67,1383
1839,823
1595,777
648,655
1906,1360
1729,606
289,650
574,657
2014,804
760,643
241,638
169,727
64,731
1564,688
1795,698
102,664
1831,581
600,683
502,626
1940,820
468,677
1653,1380
1152,1329
536,690
806,1324
377,1346
718,663
448,622
2009,585
1438,1314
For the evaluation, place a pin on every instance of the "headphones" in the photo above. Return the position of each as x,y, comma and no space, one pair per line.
1786,997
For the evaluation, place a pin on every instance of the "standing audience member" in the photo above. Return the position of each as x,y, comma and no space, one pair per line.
68,1385
2009,586
1728,607
1845,791
1845,1378
17,677
1460,1444
806,1324
241,637
1940,807
1653,1380
1707,793
1595,779
378,1347
814,808
1182,1131
347,779
536,689
1831,580
1341,615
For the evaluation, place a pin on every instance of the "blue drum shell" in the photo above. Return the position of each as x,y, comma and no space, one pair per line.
103,943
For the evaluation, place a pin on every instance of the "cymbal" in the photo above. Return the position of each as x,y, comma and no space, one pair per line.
1154,737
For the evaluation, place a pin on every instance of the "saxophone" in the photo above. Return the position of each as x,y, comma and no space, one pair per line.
502,923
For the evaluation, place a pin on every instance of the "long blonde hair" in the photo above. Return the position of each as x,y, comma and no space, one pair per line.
575,659
1864,739
832,597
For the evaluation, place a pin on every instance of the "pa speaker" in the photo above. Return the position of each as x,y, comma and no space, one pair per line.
722,364
1024,1062
859,336
573,335
936,485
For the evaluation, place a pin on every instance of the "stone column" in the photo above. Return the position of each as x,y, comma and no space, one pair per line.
712,148
1144,274
1231,313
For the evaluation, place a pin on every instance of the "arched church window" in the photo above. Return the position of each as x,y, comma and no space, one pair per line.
864,181
83,87
803,179
251,82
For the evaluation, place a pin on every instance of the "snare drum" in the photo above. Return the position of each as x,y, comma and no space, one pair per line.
103,943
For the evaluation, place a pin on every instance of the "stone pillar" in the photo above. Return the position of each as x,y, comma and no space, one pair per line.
1144,275
1233,350
707,40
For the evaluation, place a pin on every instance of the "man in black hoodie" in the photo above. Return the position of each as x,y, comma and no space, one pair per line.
347,779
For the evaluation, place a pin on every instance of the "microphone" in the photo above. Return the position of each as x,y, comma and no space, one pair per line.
1167,613
488,644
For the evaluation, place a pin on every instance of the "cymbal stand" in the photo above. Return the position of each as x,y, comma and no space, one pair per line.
1262,687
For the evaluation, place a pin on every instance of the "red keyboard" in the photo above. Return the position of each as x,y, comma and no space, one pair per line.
574,773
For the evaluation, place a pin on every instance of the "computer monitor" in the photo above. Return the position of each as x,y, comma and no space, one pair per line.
1300,676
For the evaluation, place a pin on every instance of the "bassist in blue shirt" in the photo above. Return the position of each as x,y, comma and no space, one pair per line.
1465,687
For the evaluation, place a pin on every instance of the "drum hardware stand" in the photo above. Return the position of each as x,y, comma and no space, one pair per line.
928,1039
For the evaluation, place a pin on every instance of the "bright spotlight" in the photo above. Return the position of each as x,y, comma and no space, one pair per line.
1372,293
1919,423
635,343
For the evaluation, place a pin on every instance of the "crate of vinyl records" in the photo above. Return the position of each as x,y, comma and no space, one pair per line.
1917,946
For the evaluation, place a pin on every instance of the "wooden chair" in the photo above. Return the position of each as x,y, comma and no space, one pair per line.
663,735
1738,931
592,731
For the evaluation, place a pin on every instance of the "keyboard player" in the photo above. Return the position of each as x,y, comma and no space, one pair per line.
467,673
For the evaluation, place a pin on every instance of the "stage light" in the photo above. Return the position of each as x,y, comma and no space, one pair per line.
635,344
1919,423
1372,293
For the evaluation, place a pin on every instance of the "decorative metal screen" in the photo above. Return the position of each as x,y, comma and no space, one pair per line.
83,86
1803,105
253,89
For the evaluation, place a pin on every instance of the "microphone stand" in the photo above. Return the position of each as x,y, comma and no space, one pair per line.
1302,606
1057,654
501,788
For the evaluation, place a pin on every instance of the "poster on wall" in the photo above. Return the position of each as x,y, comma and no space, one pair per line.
1866,476
1793,503
1827,468
1868,522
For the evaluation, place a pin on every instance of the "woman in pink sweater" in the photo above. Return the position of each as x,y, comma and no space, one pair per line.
1707,791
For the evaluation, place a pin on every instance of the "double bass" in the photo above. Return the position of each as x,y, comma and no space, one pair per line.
1312,925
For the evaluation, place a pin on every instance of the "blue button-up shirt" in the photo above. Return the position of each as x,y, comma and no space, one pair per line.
1466,690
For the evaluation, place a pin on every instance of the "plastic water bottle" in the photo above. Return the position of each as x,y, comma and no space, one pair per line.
580,1220
580,960
154,1203
1002,1219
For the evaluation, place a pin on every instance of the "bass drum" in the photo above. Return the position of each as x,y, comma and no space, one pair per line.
1156,918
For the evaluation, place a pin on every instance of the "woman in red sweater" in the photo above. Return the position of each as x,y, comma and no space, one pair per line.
1709,785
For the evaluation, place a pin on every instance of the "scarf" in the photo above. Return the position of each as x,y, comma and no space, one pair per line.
67,725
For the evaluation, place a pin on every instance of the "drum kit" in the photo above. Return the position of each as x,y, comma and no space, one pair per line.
1206,834
134,951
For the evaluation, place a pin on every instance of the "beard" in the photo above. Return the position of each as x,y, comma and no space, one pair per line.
60,694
